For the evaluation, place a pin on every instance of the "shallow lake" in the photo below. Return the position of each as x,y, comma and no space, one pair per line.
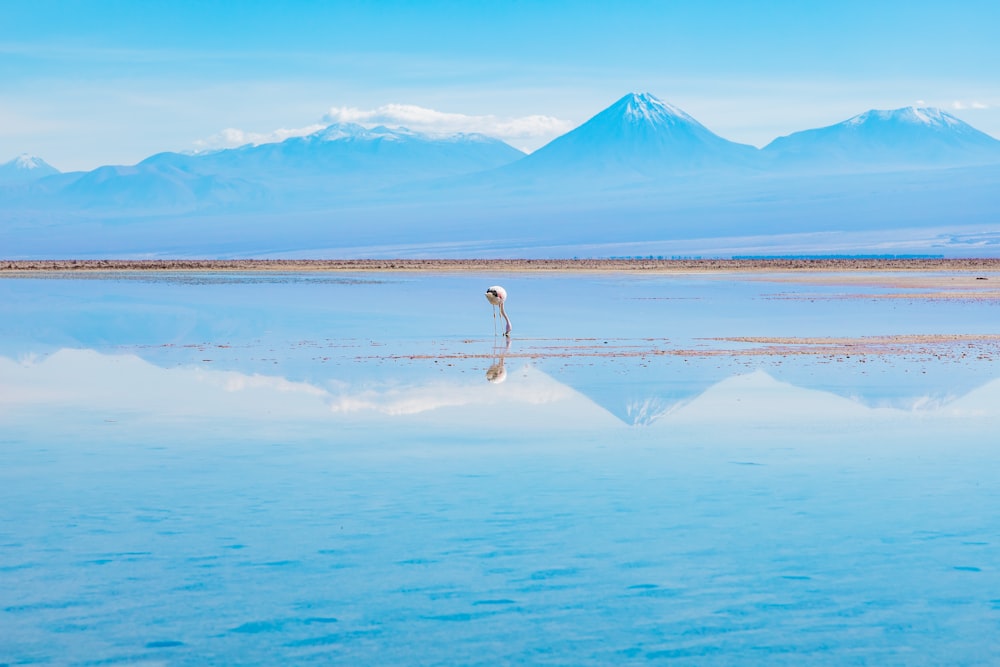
352,468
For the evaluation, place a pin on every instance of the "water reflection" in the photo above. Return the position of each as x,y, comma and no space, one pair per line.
496,373
311,473
93,381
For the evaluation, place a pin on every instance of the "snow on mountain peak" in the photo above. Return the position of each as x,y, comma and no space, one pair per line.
926,116
355,132
25,168
644,107
25,161
347,132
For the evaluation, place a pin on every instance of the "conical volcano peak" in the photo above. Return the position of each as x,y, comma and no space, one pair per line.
25,161
24,168
647,108
639,136
28,162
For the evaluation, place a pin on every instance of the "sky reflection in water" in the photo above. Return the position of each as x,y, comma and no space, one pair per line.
308,468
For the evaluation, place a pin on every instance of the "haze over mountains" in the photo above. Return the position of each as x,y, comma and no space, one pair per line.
641,177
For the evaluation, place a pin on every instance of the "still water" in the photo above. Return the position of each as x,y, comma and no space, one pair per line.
353,469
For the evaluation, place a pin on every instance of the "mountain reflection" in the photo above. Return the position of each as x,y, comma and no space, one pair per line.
110,384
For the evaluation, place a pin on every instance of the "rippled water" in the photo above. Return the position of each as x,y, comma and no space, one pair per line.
284,469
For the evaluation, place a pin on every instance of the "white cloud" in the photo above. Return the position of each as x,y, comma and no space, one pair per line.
232,137
958,105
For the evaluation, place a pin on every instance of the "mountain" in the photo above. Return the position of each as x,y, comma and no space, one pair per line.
152,188
907,138
648,396
639,178
342,160
352,151
639,135
24,169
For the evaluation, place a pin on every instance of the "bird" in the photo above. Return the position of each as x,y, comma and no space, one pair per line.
497,295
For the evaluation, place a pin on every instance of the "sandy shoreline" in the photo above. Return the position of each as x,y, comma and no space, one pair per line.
911,278
981,265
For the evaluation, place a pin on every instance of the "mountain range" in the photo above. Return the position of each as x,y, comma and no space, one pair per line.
345,159
639,174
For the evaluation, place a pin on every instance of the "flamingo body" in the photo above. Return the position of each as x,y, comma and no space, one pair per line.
497,296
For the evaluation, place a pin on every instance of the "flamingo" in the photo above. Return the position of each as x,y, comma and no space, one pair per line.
496,295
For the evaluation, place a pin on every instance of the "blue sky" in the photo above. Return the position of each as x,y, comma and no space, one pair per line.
85,83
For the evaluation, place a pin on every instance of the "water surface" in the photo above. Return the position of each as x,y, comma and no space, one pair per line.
268,468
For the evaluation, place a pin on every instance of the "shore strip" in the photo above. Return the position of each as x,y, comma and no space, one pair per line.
990,265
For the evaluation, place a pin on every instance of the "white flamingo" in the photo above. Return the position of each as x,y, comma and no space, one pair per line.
497,295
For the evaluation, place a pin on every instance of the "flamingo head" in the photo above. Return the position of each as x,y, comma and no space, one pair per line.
496,295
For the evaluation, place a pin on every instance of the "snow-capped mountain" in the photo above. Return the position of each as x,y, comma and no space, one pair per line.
910,137
649,398
639,135
343,159
372,153
25,168
641,177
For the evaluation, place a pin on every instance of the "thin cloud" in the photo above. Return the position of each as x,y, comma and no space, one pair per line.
232,137
958,105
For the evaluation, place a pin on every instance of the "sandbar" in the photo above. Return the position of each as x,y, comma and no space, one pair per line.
631,265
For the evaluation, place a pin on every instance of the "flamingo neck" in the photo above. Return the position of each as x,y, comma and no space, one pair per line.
506,319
